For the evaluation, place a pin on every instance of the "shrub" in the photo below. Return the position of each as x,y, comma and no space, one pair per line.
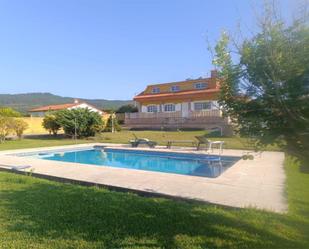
81,120
127,108
18,126
5,127
9,112
51,124
112,120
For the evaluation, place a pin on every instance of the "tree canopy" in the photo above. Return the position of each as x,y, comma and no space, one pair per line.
127,108
81,120
50,123
266,92
9,112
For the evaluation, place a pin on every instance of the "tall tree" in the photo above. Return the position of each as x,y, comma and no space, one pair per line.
266,93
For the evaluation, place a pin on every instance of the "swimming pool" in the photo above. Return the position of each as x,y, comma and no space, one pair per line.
167,162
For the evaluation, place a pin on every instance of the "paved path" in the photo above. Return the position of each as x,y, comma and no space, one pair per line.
248,183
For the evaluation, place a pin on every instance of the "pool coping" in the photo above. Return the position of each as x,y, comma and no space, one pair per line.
258,183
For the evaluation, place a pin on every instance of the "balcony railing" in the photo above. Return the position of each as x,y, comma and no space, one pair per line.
178,114
205,113
153,115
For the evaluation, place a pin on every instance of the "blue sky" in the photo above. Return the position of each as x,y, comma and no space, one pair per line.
112,49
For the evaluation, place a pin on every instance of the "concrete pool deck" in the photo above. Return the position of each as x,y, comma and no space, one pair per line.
255,183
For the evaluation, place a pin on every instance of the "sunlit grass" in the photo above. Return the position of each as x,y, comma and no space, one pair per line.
36,213
124,136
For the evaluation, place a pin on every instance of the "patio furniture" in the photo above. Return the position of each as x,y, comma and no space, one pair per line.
209,143
171,142
137,141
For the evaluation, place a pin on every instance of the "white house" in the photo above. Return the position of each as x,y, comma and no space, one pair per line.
41,111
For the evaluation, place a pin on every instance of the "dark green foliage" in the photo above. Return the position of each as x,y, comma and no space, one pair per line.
214,133
81,120
51,124
127,108
266,94
110,121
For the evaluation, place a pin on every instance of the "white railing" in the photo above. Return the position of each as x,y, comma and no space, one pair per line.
205,113
178,114
153,115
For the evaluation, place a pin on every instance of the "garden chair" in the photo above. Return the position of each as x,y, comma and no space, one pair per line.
137,141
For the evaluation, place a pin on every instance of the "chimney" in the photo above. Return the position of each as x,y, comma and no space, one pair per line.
214,73
76,101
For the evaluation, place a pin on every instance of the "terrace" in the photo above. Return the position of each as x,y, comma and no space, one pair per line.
192,119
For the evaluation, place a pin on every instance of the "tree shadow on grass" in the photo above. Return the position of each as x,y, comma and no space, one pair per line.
304,167
55,211
46,136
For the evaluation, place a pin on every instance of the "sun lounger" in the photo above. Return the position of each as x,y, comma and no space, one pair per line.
138,141
16,168
209,143
171,142
23,167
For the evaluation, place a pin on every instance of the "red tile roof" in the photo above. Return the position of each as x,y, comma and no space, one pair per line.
54,107
189,93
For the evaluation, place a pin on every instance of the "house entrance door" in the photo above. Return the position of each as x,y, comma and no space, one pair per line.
185,109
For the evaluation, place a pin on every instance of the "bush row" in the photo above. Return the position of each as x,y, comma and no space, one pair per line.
80,122
11,125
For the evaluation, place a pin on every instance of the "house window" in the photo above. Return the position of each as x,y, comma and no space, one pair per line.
169,108
199,106
201,85
152,108
156,90
175,88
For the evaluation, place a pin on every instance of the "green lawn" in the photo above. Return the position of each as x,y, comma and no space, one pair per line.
39,142
163,136
124,136
36,213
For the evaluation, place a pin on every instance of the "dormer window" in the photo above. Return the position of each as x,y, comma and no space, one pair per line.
175,88
201,85
156,90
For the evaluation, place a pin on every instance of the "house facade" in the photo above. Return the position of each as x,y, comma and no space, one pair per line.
43,110
191,104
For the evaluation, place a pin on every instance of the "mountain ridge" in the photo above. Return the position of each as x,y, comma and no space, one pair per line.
23,102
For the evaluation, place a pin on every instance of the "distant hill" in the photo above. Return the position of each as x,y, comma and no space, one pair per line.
25,101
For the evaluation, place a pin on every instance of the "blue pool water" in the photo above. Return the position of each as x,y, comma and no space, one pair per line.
185,164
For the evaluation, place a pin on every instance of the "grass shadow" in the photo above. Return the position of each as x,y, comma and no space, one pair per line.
105,219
